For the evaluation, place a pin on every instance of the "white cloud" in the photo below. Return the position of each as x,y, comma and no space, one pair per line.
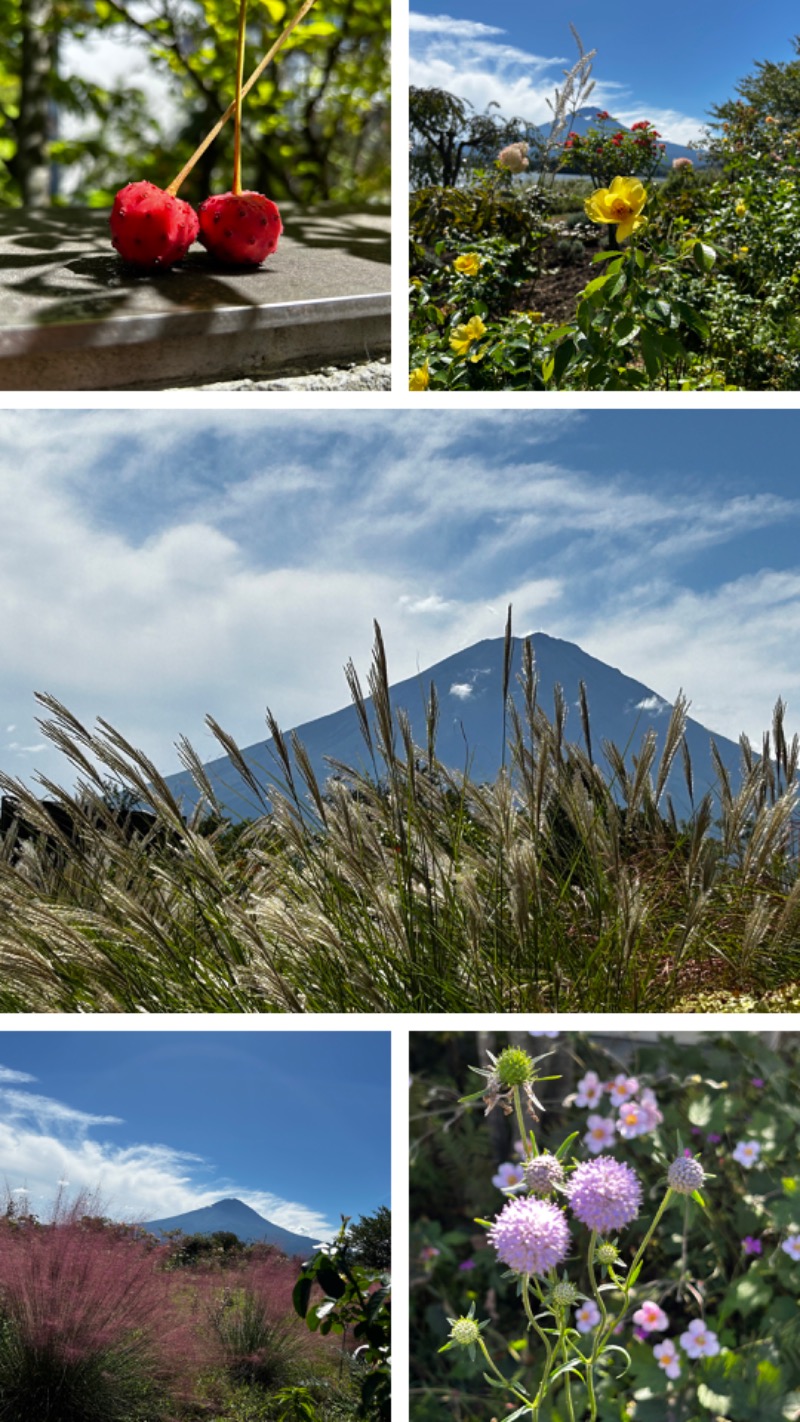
652,703
477,63
462,689
45,1143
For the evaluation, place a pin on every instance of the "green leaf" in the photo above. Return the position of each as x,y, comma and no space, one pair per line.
651,352
704,256
331,1281
301,1294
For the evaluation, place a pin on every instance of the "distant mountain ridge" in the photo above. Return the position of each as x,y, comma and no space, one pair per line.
469,688
235,1217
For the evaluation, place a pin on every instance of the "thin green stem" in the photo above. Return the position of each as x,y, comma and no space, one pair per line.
497,1372
521,1121
548,1362
237,116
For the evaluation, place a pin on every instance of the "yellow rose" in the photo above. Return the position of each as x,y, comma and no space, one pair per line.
741,208
621,203
420,378
468,265
463,336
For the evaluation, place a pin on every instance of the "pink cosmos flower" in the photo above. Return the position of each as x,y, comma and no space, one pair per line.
590,1090
699,1341
587,1316
667,1355
600,1135
651,1318
747,1153
510,1176
622,1088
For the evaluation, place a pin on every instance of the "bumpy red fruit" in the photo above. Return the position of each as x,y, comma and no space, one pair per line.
241,229
150,228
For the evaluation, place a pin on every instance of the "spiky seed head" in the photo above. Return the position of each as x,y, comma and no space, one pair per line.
606,1252
465,1331
564,1294
514,1067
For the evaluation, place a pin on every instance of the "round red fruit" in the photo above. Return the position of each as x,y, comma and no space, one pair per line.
151,228
240,228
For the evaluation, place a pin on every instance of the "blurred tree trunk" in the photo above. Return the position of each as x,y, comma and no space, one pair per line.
33,164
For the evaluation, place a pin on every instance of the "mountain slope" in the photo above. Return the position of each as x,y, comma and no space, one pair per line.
469,686
239,1219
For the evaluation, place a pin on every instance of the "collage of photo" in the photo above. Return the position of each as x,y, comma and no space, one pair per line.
399,712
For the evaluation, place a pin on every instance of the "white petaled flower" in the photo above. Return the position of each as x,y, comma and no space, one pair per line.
747,1152
587,1316
600,1135
510,1176
699,1341
590,1090
651,1318
667,1355
791,1246
622,1088
650,1109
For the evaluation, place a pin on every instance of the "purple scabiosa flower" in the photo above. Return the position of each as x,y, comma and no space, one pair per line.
605,1194
544,1033
543,1174
699,1341
751,1245
685,1175
757,1081
530,1235
601,1133
712,1138
466,1265
587,1316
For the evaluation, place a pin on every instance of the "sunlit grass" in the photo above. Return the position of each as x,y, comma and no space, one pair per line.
568,883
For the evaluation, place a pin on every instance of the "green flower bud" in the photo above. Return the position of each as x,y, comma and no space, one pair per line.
514,1067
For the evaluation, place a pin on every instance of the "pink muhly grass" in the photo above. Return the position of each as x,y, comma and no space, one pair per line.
79,1295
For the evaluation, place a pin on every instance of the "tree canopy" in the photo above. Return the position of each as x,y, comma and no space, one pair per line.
315,127
449,138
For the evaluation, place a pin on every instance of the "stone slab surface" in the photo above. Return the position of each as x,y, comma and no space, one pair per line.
72,317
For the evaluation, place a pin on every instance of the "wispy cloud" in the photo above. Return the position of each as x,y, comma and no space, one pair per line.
44,1142
476,62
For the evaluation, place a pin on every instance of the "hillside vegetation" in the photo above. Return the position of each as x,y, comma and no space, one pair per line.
567,884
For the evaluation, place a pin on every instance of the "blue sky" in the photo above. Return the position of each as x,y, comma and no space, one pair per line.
296,1124
669,66
156,566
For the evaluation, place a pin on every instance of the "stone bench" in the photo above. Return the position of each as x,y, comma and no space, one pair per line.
72,317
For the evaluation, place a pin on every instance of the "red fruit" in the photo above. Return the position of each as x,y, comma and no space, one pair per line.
240,228
150,228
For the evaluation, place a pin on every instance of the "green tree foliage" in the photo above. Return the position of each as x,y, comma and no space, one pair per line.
449,138
370,1240
771,95
315,126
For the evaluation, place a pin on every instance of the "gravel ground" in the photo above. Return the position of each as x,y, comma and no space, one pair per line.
372,375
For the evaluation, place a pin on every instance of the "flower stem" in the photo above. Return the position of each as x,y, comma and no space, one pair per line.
489,1359
521,1123
237,117
548,1362
231,109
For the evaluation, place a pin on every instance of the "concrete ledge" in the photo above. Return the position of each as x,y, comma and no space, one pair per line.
72,317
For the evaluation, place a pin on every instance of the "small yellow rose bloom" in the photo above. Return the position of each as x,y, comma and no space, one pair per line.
463,336
741,208
468,265
621,203
420,378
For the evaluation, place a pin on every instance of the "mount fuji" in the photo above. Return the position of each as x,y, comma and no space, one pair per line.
470,735
234,1217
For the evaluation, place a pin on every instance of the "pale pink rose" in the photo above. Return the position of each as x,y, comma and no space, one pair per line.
514,157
